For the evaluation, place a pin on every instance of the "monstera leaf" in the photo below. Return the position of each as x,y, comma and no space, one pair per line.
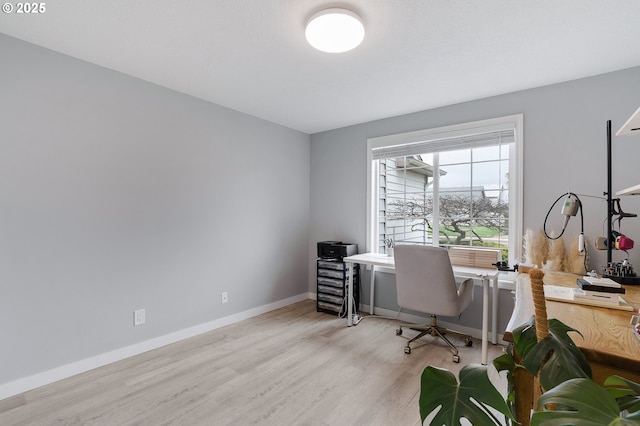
562,368
588,405
440,392
626,393
506,362
555,358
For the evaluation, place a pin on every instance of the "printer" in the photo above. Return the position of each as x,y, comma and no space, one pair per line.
336,249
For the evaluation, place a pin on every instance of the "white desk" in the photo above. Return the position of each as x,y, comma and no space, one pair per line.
485,274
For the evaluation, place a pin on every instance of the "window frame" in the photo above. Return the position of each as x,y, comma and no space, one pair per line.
516,172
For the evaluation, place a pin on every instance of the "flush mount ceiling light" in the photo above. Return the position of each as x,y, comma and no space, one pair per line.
334,30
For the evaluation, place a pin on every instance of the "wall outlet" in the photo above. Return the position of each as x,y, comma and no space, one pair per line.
225,297
139,317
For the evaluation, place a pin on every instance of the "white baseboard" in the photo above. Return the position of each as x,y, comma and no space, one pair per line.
40,379
417,319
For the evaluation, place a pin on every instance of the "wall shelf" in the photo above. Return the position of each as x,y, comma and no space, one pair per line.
633,190
621,272
632,126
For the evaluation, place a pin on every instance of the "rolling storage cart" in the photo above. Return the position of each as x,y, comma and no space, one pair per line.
333,278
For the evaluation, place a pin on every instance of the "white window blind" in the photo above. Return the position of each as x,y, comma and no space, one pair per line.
445,144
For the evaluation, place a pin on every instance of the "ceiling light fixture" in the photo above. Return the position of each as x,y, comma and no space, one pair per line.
334,30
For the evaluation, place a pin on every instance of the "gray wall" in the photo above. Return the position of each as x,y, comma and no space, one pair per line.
116,194
564,150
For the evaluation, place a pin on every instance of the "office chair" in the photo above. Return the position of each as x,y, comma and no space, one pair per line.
425,283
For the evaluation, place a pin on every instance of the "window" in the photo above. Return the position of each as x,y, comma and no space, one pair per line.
458,185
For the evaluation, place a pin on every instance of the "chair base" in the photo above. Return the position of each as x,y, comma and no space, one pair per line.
434,330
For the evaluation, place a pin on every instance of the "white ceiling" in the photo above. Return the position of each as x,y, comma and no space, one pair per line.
251,55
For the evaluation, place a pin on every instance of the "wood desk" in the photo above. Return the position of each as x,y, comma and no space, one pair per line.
609,343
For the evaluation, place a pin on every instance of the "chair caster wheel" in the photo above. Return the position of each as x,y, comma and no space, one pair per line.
456,359
407,350
468,342
398,331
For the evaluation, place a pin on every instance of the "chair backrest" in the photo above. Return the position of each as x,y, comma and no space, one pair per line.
425,281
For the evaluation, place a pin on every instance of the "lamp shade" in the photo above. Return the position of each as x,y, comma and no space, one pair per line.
334,30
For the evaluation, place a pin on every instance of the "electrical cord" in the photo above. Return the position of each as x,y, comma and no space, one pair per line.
343,311
544,227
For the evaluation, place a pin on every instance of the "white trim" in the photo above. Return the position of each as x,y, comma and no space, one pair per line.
46,377
515,249
372,179
435,186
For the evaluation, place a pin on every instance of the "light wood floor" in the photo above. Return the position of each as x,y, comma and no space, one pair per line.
292,366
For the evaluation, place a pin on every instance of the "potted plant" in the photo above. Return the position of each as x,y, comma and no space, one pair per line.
572,397
390,244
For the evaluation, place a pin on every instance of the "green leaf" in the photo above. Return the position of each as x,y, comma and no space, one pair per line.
524,337
505,362
592,405
624,383
626,393
561,365
469,399
555,358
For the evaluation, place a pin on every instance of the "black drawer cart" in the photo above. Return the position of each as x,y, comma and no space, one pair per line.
333,278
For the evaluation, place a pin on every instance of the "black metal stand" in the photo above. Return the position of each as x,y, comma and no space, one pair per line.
618,271
609,198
